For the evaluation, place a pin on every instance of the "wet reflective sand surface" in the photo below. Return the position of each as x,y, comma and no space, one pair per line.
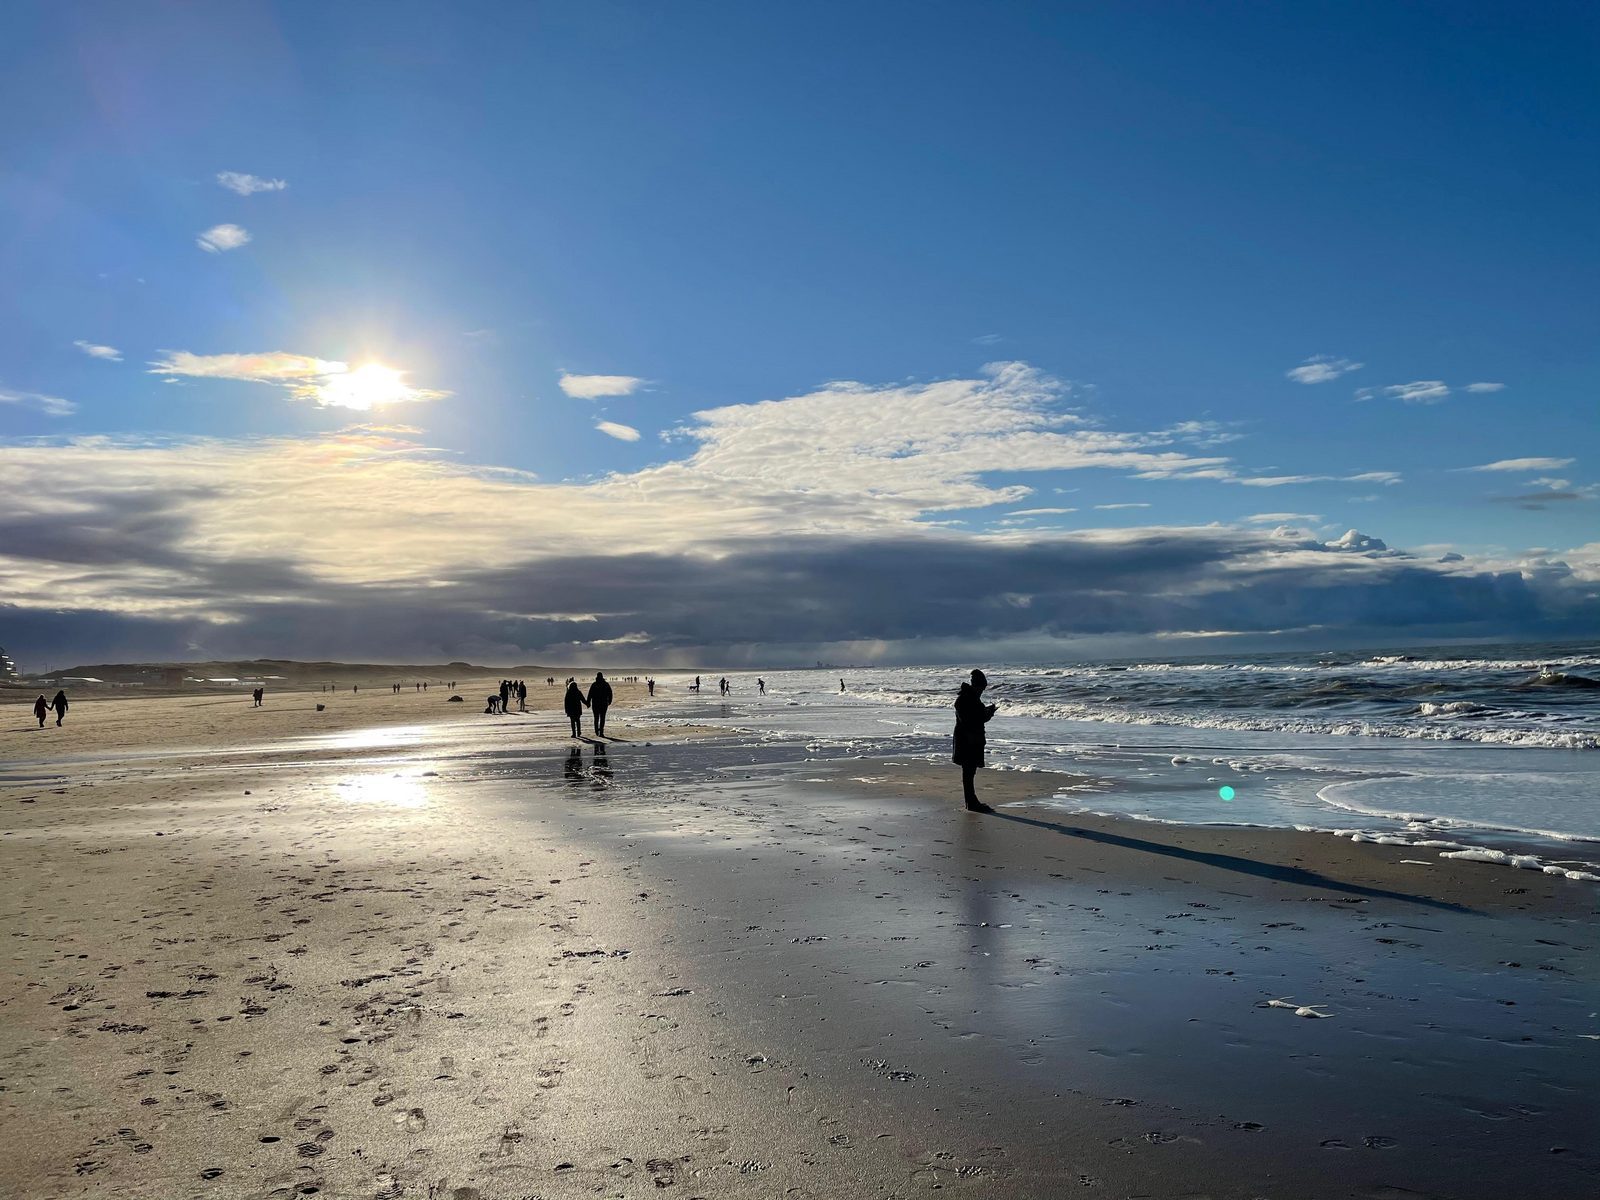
479,960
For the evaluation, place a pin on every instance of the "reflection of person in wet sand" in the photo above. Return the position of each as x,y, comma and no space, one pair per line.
41,707
971,716
574,765
573,704
602,765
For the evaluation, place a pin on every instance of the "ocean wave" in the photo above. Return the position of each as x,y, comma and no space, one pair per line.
1450,721
1454,708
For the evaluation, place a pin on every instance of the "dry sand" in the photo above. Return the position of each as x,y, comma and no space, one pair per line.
464,957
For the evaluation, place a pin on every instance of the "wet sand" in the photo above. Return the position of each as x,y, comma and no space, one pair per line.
473,959
102,719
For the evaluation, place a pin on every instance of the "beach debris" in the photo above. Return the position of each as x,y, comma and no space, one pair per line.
1299,1010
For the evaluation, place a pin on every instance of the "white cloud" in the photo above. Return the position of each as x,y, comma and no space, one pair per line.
326,382
593,387
1322,368
51,406
1422,391
222,237
623,433
1524,464
1385,477
1281,518
245,185
1486,387
110,353
1041,512
1202,433
1109,507
1281,480
988,339
273,366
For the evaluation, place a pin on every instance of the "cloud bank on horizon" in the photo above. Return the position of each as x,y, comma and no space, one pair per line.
852,519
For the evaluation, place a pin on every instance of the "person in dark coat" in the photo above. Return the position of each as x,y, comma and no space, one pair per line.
599,700
574,704
40,707
60,705
972,714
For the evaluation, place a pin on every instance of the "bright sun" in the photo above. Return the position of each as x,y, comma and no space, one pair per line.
368,385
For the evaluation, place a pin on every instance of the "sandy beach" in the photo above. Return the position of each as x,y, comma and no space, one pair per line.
398,949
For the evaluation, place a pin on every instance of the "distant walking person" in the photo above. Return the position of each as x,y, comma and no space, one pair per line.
40,708
599,700
257,696
60,705
574,704
651,684
841,685
522,695
971,716
761,687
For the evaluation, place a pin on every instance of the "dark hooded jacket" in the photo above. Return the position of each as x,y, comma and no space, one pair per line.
971,714
573,701
599,694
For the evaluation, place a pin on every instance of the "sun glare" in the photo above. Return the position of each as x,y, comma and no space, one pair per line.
369,385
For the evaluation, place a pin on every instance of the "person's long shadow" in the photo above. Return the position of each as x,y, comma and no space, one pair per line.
1232,862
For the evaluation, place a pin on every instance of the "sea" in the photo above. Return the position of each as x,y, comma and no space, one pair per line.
1484,753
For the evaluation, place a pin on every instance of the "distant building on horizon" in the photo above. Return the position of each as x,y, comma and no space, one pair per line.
8,669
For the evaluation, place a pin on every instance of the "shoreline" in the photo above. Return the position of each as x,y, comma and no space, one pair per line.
1342,860
476,959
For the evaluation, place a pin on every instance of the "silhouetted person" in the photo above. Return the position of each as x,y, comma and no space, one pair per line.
599,700
505,694
971,716
40,708
522,695
493,704
573,704
651,684
841,685
60,705
761,687
697,683
257,696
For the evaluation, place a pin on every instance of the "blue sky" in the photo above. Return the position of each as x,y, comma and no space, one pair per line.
1275,270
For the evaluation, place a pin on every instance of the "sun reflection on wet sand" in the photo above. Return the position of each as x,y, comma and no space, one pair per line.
387,791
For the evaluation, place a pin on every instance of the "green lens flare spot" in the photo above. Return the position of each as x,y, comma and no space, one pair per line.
1225,792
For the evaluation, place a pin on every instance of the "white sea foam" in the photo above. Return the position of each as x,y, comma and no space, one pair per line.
1526,862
